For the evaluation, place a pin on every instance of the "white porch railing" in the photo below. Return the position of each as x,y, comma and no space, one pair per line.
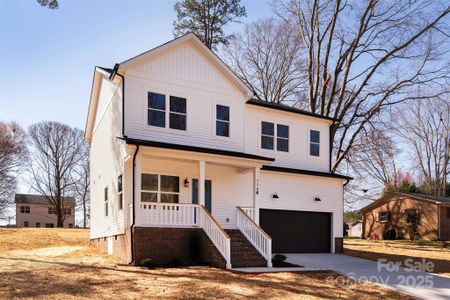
217,235
187,215
170,214
256,236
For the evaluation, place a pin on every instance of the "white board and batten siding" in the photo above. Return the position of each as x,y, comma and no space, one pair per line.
184,72
106,156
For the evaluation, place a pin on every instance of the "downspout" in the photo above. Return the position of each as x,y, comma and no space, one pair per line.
111,77
133,202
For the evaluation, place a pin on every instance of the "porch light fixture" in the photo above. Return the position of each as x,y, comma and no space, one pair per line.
317,199
186,182
275,196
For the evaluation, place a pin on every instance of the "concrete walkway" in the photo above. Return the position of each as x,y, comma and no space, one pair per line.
415,283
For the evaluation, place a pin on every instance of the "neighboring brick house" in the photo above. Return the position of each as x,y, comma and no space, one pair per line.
36,211
387,214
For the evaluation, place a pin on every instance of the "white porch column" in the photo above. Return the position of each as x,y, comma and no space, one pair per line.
201,182
256,173
137,189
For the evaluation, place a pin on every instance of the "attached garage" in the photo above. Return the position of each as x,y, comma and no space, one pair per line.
297,231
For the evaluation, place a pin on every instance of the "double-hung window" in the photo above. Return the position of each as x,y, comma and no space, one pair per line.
158,116
314,143
156,109
222,120
177,119
52,210
120,192
160,188
282,138
269,136
106,201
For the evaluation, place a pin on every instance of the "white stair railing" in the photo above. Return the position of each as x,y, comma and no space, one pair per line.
250,211
255,235
216,234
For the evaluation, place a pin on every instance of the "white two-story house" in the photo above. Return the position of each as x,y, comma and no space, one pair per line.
186,165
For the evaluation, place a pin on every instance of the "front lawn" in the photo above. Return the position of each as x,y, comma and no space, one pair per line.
59,264
400,250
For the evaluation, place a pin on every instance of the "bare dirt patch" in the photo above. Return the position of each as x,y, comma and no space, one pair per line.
401,250
78,271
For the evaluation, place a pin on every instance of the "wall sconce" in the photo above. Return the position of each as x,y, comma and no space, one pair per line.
275,196
186,182
317,199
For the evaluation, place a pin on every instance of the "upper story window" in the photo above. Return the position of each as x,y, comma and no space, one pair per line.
177,113
67,211
156,110
282,138
25,209
314,143
157,113
222,120
268,135
120,191
160,188
51,210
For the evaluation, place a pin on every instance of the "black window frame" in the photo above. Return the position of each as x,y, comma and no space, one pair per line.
267,135
283,138
223,121
120,191
279,142
314,143
174,113
106,202
25,209
156,110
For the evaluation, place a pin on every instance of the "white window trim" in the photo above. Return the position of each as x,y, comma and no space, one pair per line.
167,128
159,192
308,150
275,137
379,216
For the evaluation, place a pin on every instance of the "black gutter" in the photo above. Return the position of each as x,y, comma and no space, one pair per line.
194,149
111,77
305,172
133,202
286,108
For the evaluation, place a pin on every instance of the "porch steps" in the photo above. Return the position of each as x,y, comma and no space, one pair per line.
243,254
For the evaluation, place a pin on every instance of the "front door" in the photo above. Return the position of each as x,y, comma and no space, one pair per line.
208,193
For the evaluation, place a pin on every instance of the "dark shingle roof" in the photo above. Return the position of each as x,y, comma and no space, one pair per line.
431,197
395,196
286,108
39,199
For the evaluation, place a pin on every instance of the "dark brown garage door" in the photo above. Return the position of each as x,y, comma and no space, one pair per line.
297,231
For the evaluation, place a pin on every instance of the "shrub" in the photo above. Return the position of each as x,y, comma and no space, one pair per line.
147,263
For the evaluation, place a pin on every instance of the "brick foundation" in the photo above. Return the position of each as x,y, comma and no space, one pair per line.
338,245
164,245
120,245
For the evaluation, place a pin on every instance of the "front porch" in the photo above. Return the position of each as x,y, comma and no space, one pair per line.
218,195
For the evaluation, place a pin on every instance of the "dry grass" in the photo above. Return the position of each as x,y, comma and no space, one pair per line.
399,251
58,264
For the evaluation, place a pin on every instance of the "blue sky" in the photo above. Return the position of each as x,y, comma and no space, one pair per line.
47,57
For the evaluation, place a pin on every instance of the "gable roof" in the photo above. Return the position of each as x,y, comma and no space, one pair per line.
286,108
195,40
397,196
40,199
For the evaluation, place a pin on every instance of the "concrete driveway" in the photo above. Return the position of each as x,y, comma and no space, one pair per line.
415,283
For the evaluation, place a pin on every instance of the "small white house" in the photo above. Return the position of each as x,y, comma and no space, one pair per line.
355,229
181,154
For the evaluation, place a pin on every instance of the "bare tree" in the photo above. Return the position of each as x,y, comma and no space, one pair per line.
425,126
82,185
375,157
57,150
364,56
13,155
266,57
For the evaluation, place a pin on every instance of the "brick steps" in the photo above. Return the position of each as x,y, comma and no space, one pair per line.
243,254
